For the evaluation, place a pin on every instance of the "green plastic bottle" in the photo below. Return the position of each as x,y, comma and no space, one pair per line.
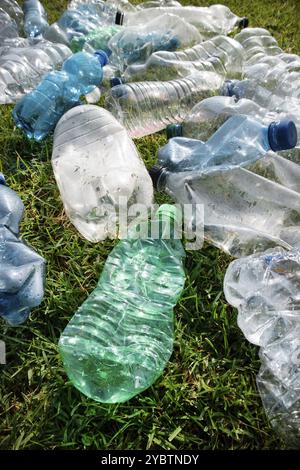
96,39
121,338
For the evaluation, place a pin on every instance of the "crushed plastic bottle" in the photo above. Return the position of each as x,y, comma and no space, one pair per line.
22,270
8,27
35,18
121,338
38,112
268,65
251,202
12,8
210,21
265,290
97,39
98,171
134,44
148,107
220,54
22,67
158,3
82,21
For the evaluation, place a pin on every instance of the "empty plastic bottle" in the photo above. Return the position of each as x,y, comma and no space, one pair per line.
35,18
98,171
97,39
8,27
22,270
265,289
12,8
220,54
210,21
268,65
147,107
82,20
158,3
22,68
245,209
121,338
38,112
134,44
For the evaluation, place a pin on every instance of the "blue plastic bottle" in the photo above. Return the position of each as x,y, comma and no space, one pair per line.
38,112
241,140
22,271
35,18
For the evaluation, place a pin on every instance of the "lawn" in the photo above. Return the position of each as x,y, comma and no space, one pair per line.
206,399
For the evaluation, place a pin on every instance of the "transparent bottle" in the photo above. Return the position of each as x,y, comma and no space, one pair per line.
247,207
265,290
134,44
210,21
121,338
220,54
148,107
35,18
22,67
12,8
97,39
8,27
98,171
22,270
38,112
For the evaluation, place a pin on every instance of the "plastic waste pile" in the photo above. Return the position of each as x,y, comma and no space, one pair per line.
230,106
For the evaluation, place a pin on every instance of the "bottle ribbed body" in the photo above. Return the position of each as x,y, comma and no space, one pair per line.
121,338
35,18
265,289
147,107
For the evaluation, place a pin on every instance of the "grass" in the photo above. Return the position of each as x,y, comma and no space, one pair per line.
206,399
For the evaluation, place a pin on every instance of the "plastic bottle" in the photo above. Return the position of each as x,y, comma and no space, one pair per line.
210,21
268,65
220,54
22,270
97,39
246,209
265,289
35,18
134,44
158,3
38,113
22,68
12,8
147,107
98,171
121,338
82,21
8,27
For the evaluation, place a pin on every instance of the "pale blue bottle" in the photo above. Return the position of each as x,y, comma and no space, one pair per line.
35,18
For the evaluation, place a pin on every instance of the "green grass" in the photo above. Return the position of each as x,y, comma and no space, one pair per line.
206,398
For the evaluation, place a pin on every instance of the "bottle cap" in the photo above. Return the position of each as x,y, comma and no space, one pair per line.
244,23
227,89
168,211
119,18
2,179
174,130
102,57
115,81
282,135
155,173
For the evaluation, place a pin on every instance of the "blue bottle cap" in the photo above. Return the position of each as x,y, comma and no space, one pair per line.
174,130
282,135
244,23
102,57
227,89
2,179
115,81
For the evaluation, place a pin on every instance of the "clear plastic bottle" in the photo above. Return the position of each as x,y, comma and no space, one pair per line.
8,27
221,54
159,3
22,270
23,67
246,209
148,107
38,112
258,43
121,338
12,8
97,39
83,20
210,21
98,171
265,290
35,18
134,44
